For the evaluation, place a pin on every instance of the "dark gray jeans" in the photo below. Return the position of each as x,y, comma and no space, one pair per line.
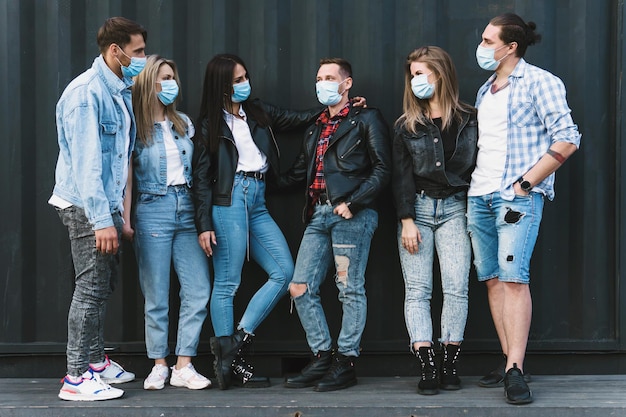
96,274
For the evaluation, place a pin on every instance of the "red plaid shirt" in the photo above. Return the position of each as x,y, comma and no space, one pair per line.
329,127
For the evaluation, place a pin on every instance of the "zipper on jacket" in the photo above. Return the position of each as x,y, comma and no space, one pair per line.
274,139
351,149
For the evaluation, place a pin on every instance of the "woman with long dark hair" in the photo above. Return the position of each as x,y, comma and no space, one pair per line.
236,153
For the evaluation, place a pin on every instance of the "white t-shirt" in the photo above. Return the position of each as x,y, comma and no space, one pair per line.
250,156
492,143
175,168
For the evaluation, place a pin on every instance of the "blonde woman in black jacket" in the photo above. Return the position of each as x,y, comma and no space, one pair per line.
434,153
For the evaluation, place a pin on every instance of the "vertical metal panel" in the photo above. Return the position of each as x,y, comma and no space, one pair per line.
575,271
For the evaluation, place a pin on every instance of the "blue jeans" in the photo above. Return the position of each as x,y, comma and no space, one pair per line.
244,226
95,278
164,234
504,234
442,226
330,237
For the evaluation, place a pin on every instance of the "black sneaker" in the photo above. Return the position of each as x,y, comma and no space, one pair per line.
515,388
495,378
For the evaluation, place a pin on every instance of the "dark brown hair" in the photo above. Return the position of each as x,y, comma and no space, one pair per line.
514,29
345,69
217,91
117,30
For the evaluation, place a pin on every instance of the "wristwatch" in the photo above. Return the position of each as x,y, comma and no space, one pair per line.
524,185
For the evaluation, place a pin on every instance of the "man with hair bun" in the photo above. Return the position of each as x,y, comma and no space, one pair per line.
526,133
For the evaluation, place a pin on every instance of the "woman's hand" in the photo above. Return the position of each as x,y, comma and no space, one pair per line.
128,232
207,240
411,237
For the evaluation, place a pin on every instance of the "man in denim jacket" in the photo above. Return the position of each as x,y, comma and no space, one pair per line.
96,133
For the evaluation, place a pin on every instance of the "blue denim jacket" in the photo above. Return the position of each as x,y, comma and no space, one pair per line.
150,160
92,145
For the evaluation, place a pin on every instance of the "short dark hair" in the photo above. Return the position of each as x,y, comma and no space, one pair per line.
514,29
345,69
117,30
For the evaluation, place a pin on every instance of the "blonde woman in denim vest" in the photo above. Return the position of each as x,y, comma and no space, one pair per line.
162,228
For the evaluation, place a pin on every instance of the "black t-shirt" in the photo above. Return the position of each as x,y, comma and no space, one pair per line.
448,136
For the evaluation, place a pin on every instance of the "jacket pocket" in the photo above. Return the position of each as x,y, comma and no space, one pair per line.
107,138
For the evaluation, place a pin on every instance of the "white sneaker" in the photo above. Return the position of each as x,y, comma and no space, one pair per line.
188,377
112,372
157,378
89,388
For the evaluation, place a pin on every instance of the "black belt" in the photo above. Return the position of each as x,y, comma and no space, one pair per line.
253,174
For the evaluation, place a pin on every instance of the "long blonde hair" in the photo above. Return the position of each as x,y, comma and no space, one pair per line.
145,99
416,111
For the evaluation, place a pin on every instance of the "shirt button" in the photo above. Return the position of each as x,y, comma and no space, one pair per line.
175,137
436,140
438,164
184,152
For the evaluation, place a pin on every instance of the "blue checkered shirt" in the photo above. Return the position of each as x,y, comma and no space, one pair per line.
538,115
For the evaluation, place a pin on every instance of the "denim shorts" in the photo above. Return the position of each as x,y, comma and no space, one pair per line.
503,235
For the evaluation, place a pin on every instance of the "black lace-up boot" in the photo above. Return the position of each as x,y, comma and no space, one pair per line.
340,375
313,372
449,378
429,383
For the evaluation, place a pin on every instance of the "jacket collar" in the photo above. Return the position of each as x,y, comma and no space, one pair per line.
108,77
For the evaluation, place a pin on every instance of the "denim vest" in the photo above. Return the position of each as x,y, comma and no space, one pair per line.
91,129
150,160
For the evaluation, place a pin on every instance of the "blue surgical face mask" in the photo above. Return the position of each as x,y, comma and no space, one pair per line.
169,91
486,57
421,87
241,91
136,65
328,92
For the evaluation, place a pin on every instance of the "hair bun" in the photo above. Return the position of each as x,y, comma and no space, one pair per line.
531,36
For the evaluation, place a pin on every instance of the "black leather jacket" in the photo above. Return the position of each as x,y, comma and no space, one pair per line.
419,159
357,163
214,174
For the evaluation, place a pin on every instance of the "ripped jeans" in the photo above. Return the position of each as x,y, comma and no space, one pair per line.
503,235
327,238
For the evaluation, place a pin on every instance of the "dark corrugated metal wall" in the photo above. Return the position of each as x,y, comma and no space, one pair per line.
575,269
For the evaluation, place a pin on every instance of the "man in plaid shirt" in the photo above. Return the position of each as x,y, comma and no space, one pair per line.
526,132
346,162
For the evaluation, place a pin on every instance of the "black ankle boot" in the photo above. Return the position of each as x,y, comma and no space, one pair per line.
429,383
340,375
243,375
226,349
449,378
313,372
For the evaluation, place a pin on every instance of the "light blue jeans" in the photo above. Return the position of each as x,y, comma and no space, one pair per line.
244,226
504,234
442,225
327,238
164,234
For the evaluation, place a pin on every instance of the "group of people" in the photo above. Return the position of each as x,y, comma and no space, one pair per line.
130,165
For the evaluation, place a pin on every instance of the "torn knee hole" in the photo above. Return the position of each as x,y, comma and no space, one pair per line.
297,290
